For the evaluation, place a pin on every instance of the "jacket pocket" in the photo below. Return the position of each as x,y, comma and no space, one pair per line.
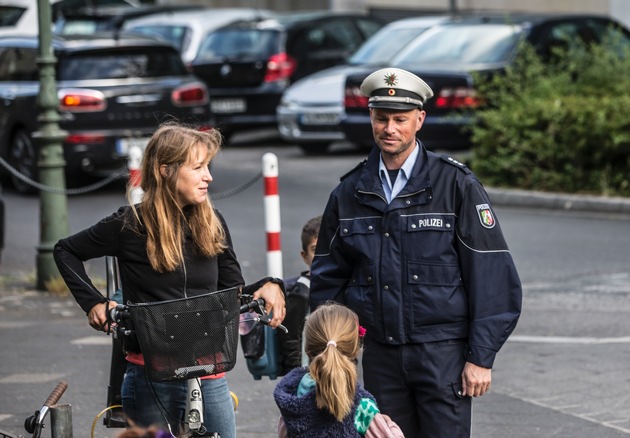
359,294
364,225
433,274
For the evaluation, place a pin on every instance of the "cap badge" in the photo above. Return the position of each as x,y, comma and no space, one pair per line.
391,79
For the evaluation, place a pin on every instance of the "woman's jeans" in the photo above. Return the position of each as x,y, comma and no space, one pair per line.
148,403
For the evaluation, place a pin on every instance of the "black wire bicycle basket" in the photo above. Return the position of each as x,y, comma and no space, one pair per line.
188,337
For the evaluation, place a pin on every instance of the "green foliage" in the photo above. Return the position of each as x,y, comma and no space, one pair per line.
562,125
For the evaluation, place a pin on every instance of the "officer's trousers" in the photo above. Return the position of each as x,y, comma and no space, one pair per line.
419,387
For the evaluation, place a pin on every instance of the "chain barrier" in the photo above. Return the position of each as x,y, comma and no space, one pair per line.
236,190
77,191
118,174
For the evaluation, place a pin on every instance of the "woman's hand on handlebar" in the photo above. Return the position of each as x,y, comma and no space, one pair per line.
274,302
97,316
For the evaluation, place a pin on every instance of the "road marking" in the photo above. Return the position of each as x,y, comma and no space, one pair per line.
609,424
16,324
31,378
568,340
93,340
5,416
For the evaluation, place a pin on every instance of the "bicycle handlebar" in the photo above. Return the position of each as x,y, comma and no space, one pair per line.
56,393
121,311
34,423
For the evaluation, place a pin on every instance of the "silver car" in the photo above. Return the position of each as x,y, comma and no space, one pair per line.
311,108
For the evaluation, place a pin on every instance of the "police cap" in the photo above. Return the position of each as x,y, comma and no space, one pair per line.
396,89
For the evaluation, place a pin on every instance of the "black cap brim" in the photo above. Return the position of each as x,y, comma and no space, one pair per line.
397,106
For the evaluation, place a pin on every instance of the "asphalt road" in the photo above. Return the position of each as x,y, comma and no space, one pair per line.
563,373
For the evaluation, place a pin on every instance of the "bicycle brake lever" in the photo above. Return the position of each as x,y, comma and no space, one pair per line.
264,318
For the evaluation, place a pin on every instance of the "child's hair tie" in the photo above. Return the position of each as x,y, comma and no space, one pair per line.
333,343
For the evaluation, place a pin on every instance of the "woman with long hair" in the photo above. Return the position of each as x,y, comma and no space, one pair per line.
173,244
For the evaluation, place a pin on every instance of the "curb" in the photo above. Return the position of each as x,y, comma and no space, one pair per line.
558,201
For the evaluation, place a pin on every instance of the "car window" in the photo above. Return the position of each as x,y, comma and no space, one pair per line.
178,36
78,26
368,27
461,44
572,34
18,65
238,43
333,35
140,62
384,45
10,15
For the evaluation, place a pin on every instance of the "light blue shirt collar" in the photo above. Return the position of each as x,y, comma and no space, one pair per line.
403,175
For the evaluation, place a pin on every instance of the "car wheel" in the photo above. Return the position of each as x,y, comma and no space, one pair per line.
23,157
314,148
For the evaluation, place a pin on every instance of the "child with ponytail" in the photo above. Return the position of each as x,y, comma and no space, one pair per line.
325,399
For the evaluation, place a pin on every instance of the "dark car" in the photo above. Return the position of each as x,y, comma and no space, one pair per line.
112,93
248,64
448,56
311,109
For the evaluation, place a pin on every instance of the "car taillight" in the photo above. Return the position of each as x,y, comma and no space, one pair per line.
354,99
457,98
280,67
85,139
81,101
192,94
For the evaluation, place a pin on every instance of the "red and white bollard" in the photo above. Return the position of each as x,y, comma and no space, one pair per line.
272,215
135,175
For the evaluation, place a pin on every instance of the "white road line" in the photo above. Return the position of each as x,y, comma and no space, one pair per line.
568,340
93,340
32,378
609,424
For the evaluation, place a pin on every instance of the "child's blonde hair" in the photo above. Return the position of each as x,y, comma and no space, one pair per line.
332,345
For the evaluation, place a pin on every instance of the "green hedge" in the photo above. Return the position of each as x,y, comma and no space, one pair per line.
561,126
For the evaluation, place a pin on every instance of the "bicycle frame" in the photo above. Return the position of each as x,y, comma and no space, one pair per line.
194,407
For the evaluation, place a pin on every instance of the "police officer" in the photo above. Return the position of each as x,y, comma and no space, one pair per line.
409,241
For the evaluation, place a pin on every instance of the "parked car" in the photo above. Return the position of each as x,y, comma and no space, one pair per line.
247,65
186,29
20,17
311,109
97,19
449,55
113,93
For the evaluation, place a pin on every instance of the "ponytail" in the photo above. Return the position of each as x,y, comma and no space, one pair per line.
332,345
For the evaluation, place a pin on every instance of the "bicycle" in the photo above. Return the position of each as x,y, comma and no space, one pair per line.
35,423
188,338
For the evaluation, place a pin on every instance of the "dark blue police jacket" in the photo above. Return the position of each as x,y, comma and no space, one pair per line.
432,265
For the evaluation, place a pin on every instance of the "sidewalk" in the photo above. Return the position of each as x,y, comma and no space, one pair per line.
558,201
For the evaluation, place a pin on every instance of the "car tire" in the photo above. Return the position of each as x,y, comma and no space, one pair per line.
314,148
23,157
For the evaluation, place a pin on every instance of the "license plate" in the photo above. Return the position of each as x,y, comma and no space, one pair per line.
228,106
320,119
123,145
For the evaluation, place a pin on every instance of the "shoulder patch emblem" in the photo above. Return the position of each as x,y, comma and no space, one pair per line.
485,215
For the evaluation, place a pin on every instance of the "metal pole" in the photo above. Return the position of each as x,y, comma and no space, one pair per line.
53,206
61,421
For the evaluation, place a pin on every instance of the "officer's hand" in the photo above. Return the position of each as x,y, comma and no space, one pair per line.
475,380
274,302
